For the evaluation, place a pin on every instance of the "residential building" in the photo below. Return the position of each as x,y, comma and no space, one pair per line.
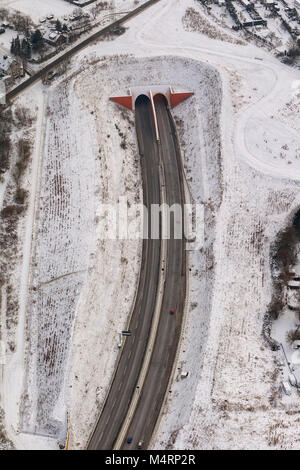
54,38
10,67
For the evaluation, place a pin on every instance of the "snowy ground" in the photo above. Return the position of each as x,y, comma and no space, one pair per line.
5,41
37,9
87,391
231,398
12,320
277,37
64,245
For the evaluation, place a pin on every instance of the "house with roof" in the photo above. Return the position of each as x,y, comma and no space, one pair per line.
10,67
54,38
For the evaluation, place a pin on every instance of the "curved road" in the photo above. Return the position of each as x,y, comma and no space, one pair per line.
164,351
168,333
128,368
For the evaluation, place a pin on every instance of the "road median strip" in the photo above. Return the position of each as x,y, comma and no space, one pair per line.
156,315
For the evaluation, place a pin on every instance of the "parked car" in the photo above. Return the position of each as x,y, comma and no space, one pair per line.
120,342
2,30
286,388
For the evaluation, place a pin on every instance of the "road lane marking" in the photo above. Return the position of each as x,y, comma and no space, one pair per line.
155,320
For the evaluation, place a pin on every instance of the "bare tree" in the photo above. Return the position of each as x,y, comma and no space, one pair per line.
293,335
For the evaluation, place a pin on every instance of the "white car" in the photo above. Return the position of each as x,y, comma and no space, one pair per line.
286,388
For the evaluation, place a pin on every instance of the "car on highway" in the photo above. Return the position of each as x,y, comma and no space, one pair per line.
129,440
140,444
126,333
172,311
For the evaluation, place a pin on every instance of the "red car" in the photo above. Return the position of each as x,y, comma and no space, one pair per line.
172,311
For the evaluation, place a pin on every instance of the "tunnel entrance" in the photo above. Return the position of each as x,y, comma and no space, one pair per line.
142,99
160,98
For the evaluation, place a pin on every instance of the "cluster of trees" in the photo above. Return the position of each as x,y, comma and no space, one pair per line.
21,48
21,23
19,120
96,9
286,25
62,28
5,141
293,52
291,14
32,43
232,11
293,335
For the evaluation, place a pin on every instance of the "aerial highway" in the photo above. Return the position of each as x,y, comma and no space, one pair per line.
114,413
129,365
168,333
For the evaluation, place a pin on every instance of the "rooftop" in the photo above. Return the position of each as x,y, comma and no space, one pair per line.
51,35
5,62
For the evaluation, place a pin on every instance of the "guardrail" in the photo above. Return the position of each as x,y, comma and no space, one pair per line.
34,78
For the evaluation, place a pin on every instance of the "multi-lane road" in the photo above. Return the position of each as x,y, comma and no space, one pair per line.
168,332
154,155
126,375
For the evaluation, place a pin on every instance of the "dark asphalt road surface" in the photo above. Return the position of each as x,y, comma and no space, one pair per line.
130,363
168,333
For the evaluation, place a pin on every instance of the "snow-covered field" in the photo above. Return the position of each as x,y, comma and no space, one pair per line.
64,243
240,144
37,9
